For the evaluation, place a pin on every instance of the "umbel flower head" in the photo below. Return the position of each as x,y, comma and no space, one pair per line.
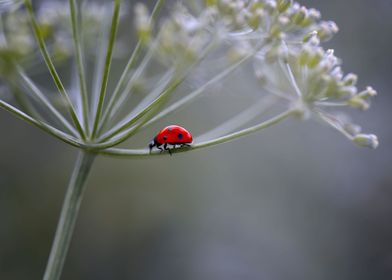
314,83
280,38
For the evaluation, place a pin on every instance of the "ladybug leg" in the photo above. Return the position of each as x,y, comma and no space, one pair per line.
160,149
167,149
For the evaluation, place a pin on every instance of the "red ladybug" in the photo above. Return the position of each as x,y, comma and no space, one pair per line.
171,135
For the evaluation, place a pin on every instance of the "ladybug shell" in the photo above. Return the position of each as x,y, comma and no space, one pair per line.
173,134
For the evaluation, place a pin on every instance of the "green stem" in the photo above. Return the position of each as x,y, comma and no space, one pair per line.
79,61
52,69
69,214
131,63
42,125
40,96
124,135
189,97
108,61
220,140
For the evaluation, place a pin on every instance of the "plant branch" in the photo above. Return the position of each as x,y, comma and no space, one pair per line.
259,107
50,65
131,63
127,133
189,97
159,100
117,152
108,60
68,217
37,93
42,125
76,29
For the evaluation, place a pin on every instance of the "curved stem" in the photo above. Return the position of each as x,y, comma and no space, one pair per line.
42,125
50,65
259,107
220,140
69,214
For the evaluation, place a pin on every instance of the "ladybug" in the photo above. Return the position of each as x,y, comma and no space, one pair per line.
171,135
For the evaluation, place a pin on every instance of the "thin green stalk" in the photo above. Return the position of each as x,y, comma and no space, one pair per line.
42,125
52,69
189,97
122,129
124,136
76,29
99,65
37,93
131,63
232,124
220,140
120,95
333,122
108,61
24,103
68,217
162,85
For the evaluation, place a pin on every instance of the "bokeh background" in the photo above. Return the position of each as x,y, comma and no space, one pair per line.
296,201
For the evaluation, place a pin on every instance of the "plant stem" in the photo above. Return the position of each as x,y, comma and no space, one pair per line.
42,125
131,63
69,214
40,96
108,61
117,152
76,30
51,68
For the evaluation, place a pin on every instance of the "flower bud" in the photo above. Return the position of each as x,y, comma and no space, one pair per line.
300,16
327,30
316,58
283,5
142,23
369,92
366,140
350,79
358,102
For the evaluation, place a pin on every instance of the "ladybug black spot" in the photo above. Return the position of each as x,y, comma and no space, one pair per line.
180,136
165,137
170,128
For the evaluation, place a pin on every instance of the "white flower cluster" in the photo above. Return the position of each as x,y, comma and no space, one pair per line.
17,42
283,39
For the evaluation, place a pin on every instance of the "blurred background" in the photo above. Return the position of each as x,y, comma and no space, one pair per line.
296,201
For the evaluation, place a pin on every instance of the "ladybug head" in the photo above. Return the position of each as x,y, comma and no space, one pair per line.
152,144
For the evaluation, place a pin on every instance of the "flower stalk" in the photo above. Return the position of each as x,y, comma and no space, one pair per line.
68,216
106,71
52,69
